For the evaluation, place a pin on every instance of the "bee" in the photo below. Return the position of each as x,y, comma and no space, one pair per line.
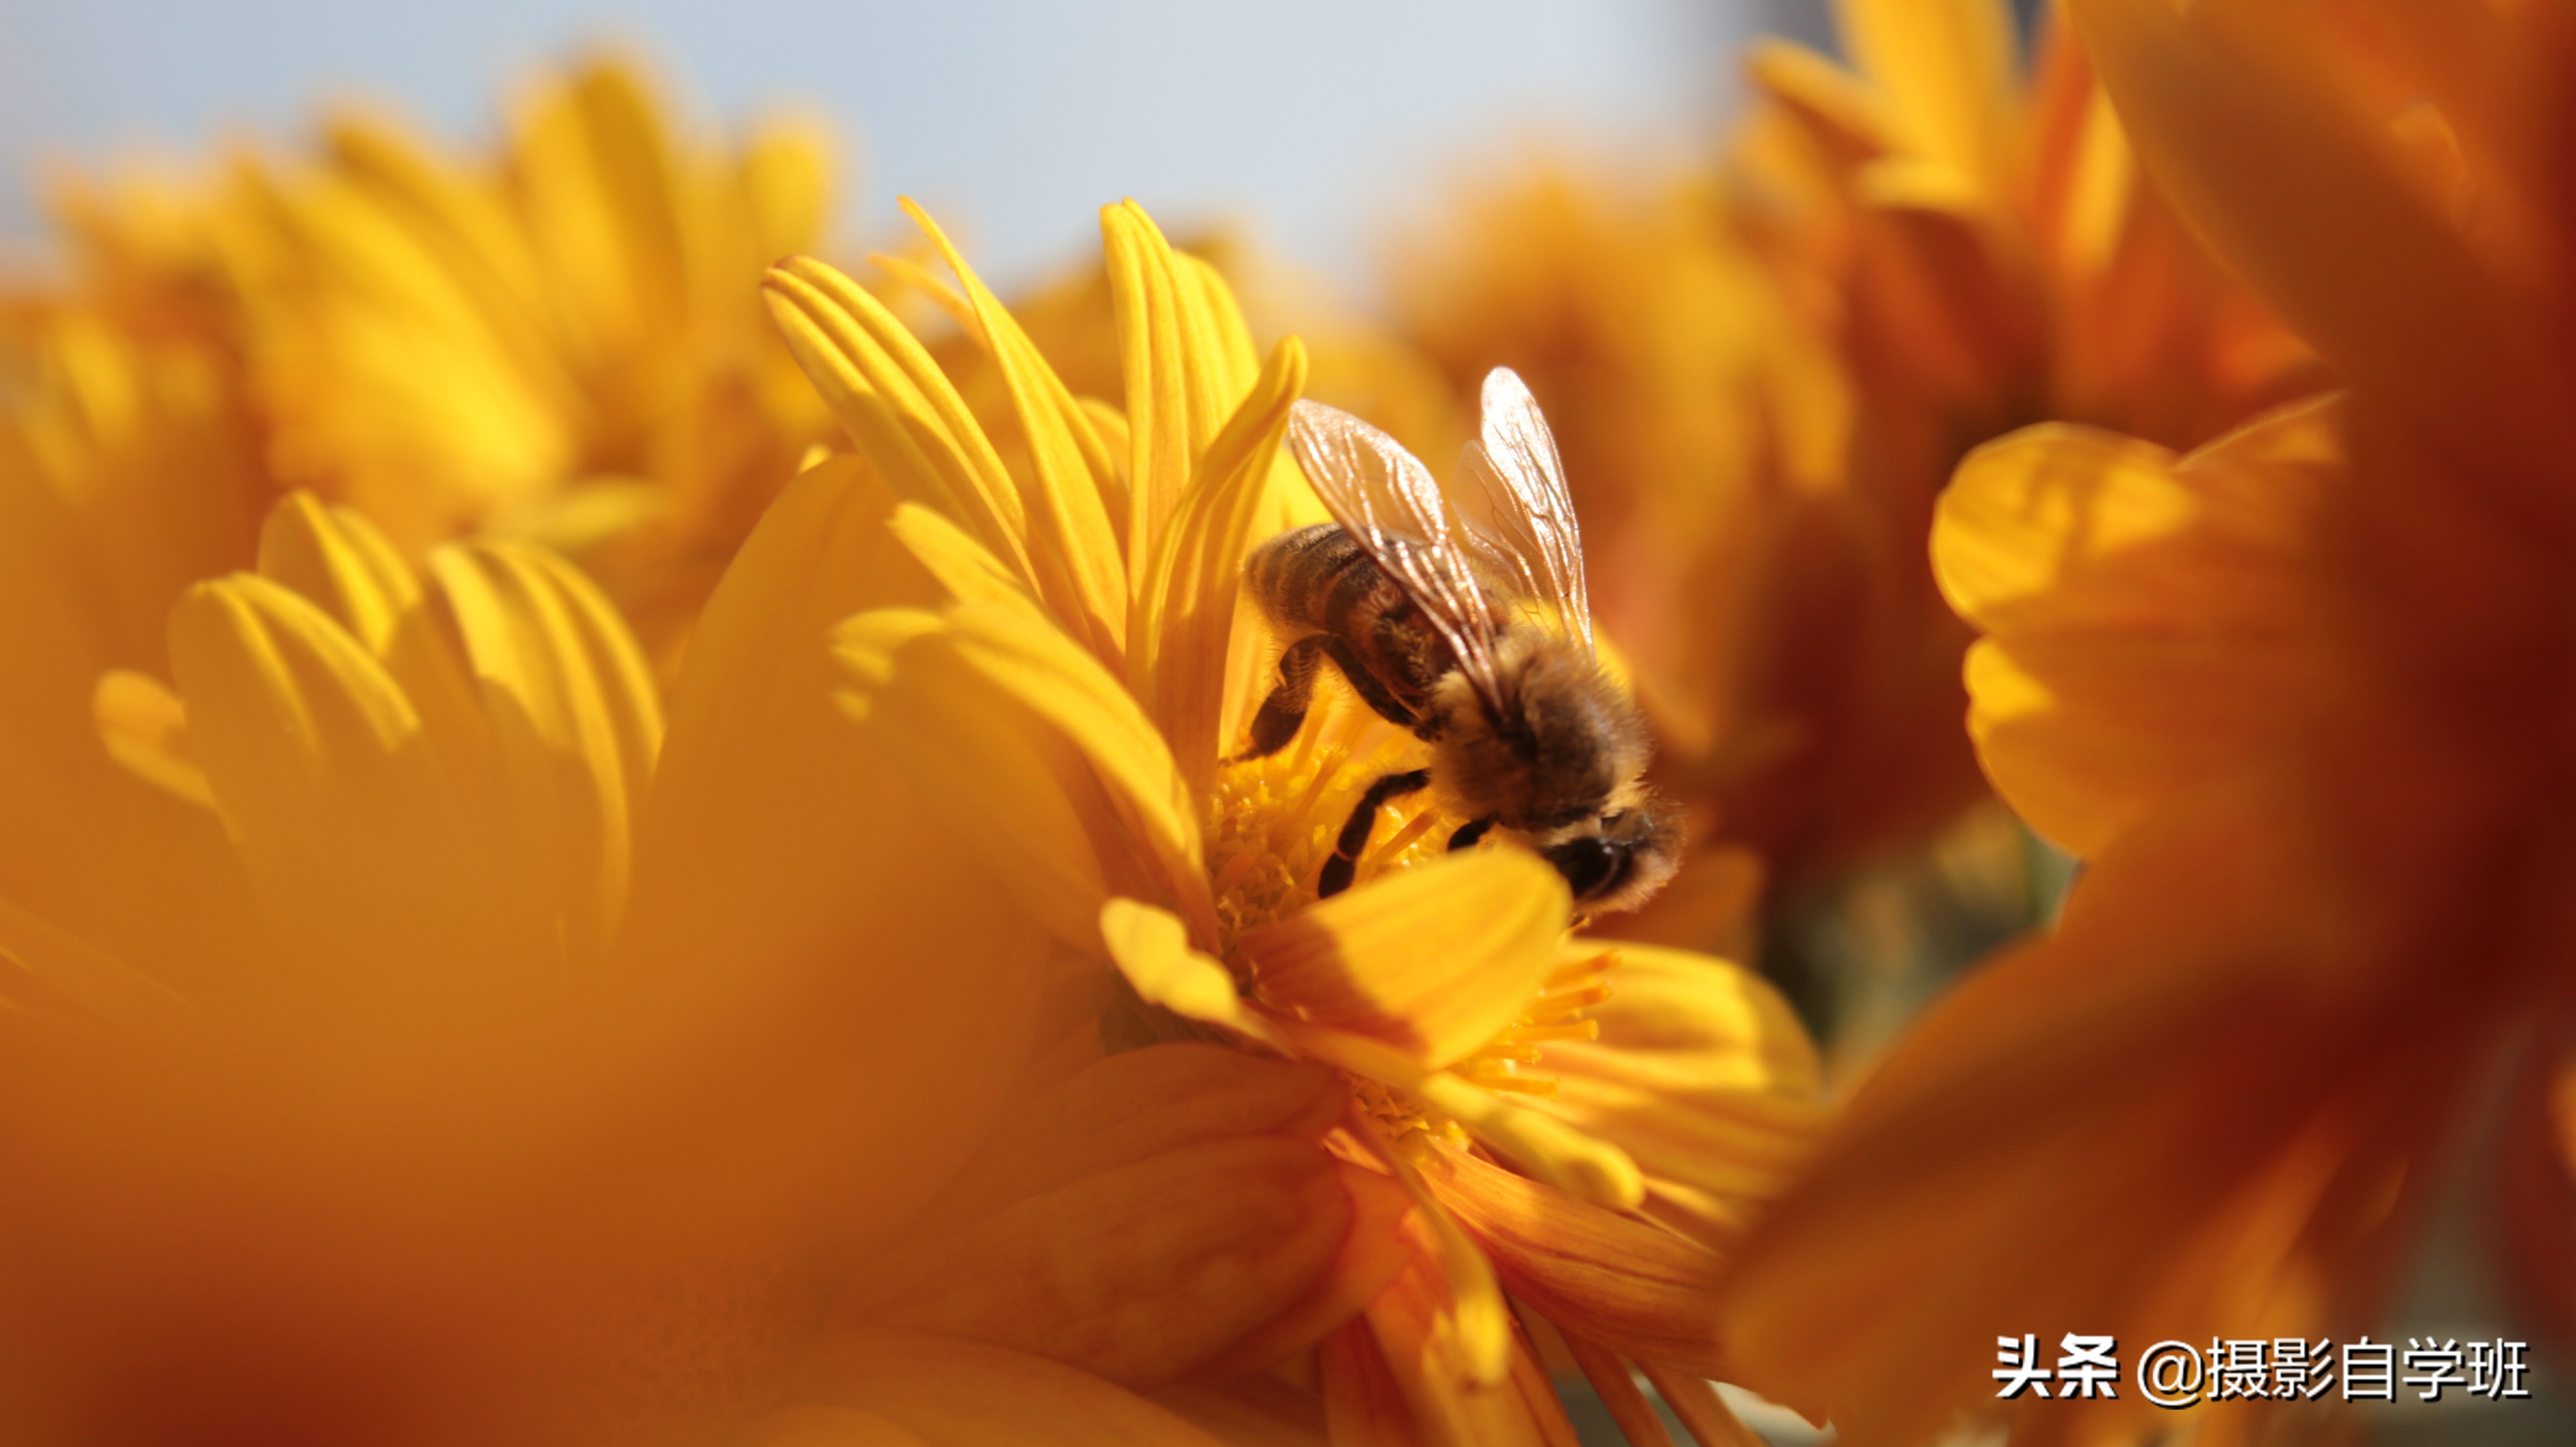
1464,618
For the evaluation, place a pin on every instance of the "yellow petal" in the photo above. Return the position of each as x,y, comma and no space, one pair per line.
1187,600
71,971
1261,1411
1151,948
1848,117
341,563
1073,474
334,557
1419,1374
1152,1217
1358,961
1038,665
576,722
968,1394
897,407
797,878
1950,71
1017,792
326,782
2307,198
1546,1148
1187,361
2148,621
145,728
1704,1076
1636,1288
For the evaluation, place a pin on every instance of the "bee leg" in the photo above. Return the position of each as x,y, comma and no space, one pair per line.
1469,833
1284,711
1355,830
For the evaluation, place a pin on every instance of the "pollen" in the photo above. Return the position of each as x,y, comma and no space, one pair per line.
1511,1061
1272,822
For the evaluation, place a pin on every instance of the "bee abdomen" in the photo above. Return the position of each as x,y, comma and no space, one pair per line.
1310,579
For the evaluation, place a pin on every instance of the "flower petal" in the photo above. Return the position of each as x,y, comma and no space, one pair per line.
323,776
897,407
2305,196
1633,1287
1187,362
2146,619
575,723
1073,479
1141,1272
1358,960
805,890
336,558
1187,600
970,1394
1968,1185
1152,950
1948,67
145,728
341,563
1704,1076
71,970
829,1427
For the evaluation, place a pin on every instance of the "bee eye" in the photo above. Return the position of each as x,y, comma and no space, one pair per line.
1588,864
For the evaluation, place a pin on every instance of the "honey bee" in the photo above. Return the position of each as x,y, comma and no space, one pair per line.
1464,618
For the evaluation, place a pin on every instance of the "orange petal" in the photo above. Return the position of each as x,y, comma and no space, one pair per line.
1138,1104
326,781
2030,1154
2305,195
1396,1377
1140,1273
1357,961
2148,620
1608,1373
1635,1288
794,876
972,1394
1152,950
1703,1075
1948,68
829,1427
1254,1412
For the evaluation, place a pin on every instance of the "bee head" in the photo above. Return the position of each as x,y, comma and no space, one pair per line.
1617,860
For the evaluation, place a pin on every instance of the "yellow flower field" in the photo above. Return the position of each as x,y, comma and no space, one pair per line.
623,820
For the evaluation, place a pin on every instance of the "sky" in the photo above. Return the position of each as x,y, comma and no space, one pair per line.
1322,128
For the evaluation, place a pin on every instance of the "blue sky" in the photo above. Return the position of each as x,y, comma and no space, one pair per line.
1323,125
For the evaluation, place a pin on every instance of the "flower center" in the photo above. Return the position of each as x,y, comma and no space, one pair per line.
1272,823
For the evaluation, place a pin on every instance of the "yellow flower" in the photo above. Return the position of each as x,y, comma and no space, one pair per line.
487,1057
1074,697
2297,698
1764,373
560,340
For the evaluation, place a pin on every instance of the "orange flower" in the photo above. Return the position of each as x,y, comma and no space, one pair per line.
2297,697
559,340
1499,1121
1765,375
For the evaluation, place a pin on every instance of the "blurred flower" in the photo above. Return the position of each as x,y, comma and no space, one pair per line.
1763,376
565,340
2299,699
558,341
1071,697
446,1085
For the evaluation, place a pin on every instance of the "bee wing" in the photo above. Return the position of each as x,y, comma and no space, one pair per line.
1385,499
1511,495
